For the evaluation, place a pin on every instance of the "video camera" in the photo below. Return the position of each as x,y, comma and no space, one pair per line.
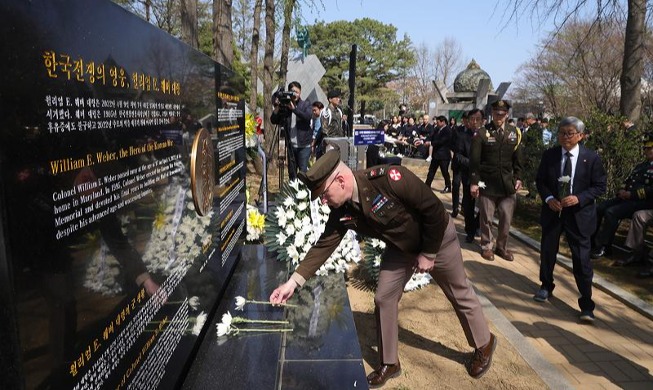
284,97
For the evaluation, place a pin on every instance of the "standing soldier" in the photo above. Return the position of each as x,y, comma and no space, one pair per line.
495,175
392,204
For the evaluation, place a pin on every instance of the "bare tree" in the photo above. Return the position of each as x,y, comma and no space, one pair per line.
268,75
563,11
288,8
223,33
422,75
448,60
633,61
189,23
253,54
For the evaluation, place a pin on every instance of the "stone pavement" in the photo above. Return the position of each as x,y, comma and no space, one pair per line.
616,351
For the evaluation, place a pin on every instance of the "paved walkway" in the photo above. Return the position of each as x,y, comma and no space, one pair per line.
614,352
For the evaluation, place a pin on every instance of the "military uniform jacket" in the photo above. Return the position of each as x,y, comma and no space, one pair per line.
395,206
496,159
640,181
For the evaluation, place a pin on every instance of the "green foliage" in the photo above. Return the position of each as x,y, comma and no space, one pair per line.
620,151
380,59
532,149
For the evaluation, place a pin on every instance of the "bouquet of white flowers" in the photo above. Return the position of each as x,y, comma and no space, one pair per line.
372,250
296,223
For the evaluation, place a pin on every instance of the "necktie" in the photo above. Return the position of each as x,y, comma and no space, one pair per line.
566,170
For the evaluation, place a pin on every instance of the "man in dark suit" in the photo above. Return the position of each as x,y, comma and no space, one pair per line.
569,179
456,133
461,152
393,204
440,153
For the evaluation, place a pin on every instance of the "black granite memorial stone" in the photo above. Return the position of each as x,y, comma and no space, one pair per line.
107,269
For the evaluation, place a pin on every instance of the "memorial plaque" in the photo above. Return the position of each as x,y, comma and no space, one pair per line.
106,266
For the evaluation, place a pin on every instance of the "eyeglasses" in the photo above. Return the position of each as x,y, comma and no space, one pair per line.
324,192
569,134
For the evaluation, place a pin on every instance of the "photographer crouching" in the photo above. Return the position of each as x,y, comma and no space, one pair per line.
298,127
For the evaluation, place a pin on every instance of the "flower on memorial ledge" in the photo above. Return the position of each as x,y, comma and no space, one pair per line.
481,184
241,302
227,327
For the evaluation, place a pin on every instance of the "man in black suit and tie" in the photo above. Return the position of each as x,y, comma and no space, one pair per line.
569,179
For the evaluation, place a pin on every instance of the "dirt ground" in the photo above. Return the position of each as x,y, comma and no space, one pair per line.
432,346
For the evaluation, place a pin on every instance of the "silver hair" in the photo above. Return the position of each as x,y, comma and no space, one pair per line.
573,121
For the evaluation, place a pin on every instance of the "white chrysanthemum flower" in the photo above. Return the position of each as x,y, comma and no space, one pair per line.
289,201
199,323
240,302
290,214
298,224
302,206
223,329
281,238
302,194
481,184
227,318
194,302
290,229
294,184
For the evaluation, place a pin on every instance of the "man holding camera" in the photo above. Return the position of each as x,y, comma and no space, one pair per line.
298,126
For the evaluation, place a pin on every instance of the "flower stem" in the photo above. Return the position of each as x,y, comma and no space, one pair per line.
238,330
238,320
268,303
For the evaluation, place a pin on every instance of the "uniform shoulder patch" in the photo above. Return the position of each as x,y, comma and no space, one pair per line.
376,172
394,174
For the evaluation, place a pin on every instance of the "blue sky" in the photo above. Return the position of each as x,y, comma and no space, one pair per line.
478,25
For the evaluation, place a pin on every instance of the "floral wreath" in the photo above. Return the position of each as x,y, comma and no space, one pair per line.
296,223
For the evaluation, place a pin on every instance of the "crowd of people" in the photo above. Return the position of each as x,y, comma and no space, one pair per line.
492,159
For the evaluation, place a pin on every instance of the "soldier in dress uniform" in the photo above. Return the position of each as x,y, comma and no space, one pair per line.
636,194
495,174
392,204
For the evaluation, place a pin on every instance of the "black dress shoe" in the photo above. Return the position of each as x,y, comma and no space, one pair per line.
482,359
378,377
469,239
446,190
629,262
597,253
454,213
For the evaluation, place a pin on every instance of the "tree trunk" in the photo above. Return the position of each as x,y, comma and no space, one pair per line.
630,104
223,35
289,6
268,73
253,55
189,23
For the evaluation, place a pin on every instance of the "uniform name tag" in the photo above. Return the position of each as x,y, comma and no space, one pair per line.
491,140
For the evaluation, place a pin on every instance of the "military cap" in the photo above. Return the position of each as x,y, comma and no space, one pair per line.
501,105
333,93
647,140
316,177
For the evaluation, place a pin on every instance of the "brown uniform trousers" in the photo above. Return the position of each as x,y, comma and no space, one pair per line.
505,205
396,269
